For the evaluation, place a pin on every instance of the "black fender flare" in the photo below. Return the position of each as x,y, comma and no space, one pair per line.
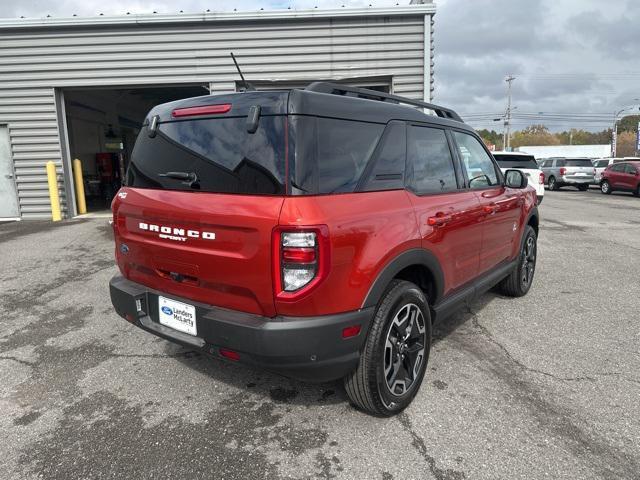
416,256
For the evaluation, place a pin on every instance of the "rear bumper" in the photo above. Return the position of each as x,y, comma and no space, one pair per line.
306,348
576,180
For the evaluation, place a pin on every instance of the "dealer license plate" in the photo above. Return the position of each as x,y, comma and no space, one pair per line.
177,315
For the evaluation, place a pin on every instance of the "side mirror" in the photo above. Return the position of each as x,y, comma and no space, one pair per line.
515,179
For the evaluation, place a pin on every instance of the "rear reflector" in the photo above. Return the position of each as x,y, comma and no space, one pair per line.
299,255
203,110
351,331
230,354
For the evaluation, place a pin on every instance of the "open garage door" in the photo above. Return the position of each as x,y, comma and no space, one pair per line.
102,125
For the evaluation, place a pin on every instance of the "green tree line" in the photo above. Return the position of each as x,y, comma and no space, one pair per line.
540,135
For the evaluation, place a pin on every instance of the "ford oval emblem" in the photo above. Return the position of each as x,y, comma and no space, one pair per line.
167,311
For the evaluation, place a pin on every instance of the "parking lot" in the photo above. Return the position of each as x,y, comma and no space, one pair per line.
546,386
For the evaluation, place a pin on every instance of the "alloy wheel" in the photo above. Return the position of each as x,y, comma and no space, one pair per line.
404,350
528,261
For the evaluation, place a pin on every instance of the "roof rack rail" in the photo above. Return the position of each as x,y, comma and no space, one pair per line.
338,89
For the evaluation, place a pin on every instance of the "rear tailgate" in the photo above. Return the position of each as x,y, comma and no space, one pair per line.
579,169
210,248
204,191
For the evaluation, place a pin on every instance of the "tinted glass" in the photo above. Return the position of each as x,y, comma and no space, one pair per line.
547,163
387,170
578,162
516,161
618,167
331,154
479,167
220,152
601,163
561,163
430,161
628,168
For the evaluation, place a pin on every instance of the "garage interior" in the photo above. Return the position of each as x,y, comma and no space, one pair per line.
102,125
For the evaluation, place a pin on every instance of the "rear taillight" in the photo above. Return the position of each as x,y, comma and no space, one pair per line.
301,259
541,179
563,171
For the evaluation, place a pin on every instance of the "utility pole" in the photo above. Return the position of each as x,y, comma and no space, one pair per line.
506,141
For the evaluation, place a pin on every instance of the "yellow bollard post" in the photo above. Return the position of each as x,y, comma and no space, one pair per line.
77,179
52,178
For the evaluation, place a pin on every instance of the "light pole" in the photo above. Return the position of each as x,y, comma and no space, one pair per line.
614,140
506,136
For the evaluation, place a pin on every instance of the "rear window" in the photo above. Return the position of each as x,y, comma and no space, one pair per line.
578,162
331,154
219,155
516,161
601,163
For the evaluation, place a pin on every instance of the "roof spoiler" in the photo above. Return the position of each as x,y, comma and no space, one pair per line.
345,90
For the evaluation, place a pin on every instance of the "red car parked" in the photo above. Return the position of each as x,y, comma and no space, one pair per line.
318,233
622,176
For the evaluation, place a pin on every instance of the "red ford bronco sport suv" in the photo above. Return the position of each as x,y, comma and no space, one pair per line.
318,233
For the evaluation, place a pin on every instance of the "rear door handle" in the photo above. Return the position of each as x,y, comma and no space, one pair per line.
438,219
489,209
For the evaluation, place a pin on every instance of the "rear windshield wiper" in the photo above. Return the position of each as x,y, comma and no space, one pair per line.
189,178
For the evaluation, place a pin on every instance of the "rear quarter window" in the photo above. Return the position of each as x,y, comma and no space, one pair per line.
331,154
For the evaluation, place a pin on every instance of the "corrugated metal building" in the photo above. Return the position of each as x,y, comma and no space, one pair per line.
72,87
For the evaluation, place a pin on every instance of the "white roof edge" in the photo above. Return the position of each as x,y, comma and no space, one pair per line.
150,19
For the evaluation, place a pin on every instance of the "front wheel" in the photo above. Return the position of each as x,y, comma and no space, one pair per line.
518,283
605,187
394,359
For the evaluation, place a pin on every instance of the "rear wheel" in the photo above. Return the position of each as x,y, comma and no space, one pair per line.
605,187
395,355
519,281
553,185
583,188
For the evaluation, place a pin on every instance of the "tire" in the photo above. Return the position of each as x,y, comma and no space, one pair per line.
583,188
636,192
515,284
553,185
605,187
374,386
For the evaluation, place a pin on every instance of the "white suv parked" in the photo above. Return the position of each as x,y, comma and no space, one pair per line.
526,163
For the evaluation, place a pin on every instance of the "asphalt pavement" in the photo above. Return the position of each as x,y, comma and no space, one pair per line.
545,386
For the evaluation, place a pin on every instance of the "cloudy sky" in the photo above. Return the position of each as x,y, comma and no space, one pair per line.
575,61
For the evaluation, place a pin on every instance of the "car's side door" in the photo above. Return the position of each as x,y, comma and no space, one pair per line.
501,205
616,172
448,215
630,177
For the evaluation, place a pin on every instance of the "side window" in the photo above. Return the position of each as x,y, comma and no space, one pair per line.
630,169
561,163
387,172
480,169
331,154
547,163
619,167
430,161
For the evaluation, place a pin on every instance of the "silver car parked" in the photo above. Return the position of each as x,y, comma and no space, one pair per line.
575,172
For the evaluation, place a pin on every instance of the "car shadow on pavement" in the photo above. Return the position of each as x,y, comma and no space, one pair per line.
283,390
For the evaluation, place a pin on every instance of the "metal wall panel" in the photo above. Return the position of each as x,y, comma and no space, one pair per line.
38,59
